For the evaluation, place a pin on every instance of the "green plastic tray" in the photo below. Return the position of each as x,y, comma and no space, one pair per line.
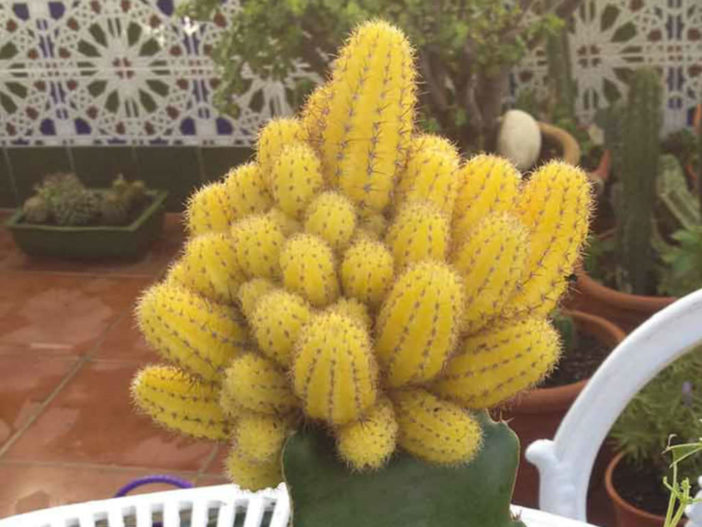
92,242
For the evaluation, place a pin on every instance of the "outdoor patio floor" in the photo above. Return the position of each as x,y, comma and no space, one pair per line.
68,349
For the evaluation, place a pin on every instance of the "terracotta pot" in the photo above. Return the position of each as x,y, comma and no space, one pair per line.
537,414
626,514
625,310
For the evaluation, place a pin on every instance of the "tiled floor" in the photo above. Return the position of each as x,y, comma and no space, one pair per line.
68,349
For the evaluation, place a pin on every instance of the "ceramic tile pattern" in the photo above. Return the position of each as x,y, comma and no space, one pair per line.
68,349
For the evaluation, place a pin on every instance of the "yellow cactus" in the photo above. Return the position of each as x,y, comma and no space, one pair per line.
352,308
334,372
251,292
367,130
555,208
259,437
332,217
198,335
308,268
180,402
209,267
369,442
371,225
431,175
498,363
272,138
419,323
256,384
491,262
435,430
250,474
419,232
314,114
288,225
276,322
296,178
257,241
208,210
367,271
246,191
432,142
486,184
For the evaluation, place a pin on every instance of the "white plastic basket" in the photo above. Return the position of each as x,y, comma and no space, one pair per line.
220,506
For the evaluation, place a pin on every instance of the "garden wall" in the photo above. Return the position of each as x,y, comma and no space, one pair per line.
107,86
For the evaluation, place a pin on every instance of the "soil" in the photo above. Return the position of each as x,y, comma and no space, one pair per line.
578,363
641,486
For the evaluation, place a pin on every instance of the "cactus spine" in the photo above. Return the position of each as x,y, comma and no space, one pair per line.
419,232
273,138
435,430
251,292
257,241
369,442
308,268
353,309
494,365
180,402
332,217
208,210
367,271
200,336
639,158
334,372
260,437
367,130
419,322
246,191
296,178
251,474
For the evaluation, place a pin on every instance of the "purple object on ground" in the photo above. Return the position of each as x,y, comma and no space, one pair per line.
148,480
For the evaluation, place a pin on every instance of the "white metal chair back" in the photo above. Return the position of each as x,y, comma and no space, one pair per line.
565,462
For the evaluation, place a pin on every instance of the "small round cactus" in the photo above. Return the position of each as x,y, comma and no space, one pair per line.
360,277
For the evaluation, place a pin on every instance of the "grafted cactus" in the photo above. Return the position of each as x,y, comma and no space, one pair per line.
416,290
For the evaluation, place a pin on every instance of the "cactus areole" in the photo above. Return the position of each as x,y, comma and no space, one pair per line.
362,295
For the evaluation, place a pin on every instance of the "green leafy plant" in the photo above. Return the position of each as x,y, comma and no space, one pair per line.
683,263
465,49
680,490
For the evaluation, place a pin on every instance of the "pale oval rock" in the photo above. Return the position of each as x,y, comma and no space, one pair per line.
519,139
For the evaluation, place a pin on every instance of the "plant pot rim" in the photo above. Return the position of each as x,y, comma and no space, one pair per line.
542,400
570,149
15,223
621,502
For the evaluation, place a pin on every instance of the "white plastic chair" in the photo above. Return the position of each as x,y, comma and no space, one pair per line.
565,462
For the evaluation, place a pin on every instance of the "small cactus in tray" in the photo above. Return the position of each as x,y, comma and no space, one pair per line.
62,199
379,290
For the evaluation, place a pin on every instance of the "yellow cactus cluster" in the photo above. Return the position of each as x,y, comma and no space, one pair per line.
360,276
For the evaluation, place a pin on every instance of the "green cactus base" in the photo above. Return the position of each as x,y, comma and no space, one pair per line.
407,492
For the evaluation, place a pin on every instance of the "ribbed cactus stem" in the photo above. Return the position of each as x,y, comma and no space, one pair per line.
259,437
246,190
367,130
309,269
251,292
420,232
257,241
367,271
334,371
180,402
419,323
273,138
332,217
198,335
296,178
208,210
250,474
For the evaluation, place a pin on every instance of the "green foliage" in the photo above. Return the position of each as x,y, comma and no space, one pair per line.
639,168
669,404
595,260
680,490
565,325
683,272
465,48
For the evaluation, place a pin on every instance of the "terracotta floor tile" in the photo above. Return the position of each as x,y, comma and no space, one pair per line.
62,314
154,262
216,466
24,384
92,421
29,487
123,341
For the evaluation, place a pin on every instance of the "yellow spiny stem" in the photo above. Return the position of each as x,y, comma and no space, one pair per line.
246,190
491,261
486,184
252,475
288,225
353,309
314,114
367,130
198,335
420,232
308,268
256,384
419,323
334,372
498,363
180,402
432,142
332,217
296,177
435,430
371,225
273,138
367,271
277,320
260,437
251,292
368,443
257,241
208,210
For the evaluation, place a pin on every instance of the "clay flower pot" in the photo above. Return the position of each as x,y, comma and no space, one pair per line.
537,414
623,309
626,514
570,149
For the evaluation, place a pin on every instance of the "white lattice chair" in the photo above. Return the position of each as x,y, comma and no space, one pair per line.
565,462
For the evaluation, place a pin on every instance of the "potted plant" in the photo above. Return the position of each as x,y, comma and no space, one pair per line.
651,255
65,219
465,51
669,406
346,305
587,340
